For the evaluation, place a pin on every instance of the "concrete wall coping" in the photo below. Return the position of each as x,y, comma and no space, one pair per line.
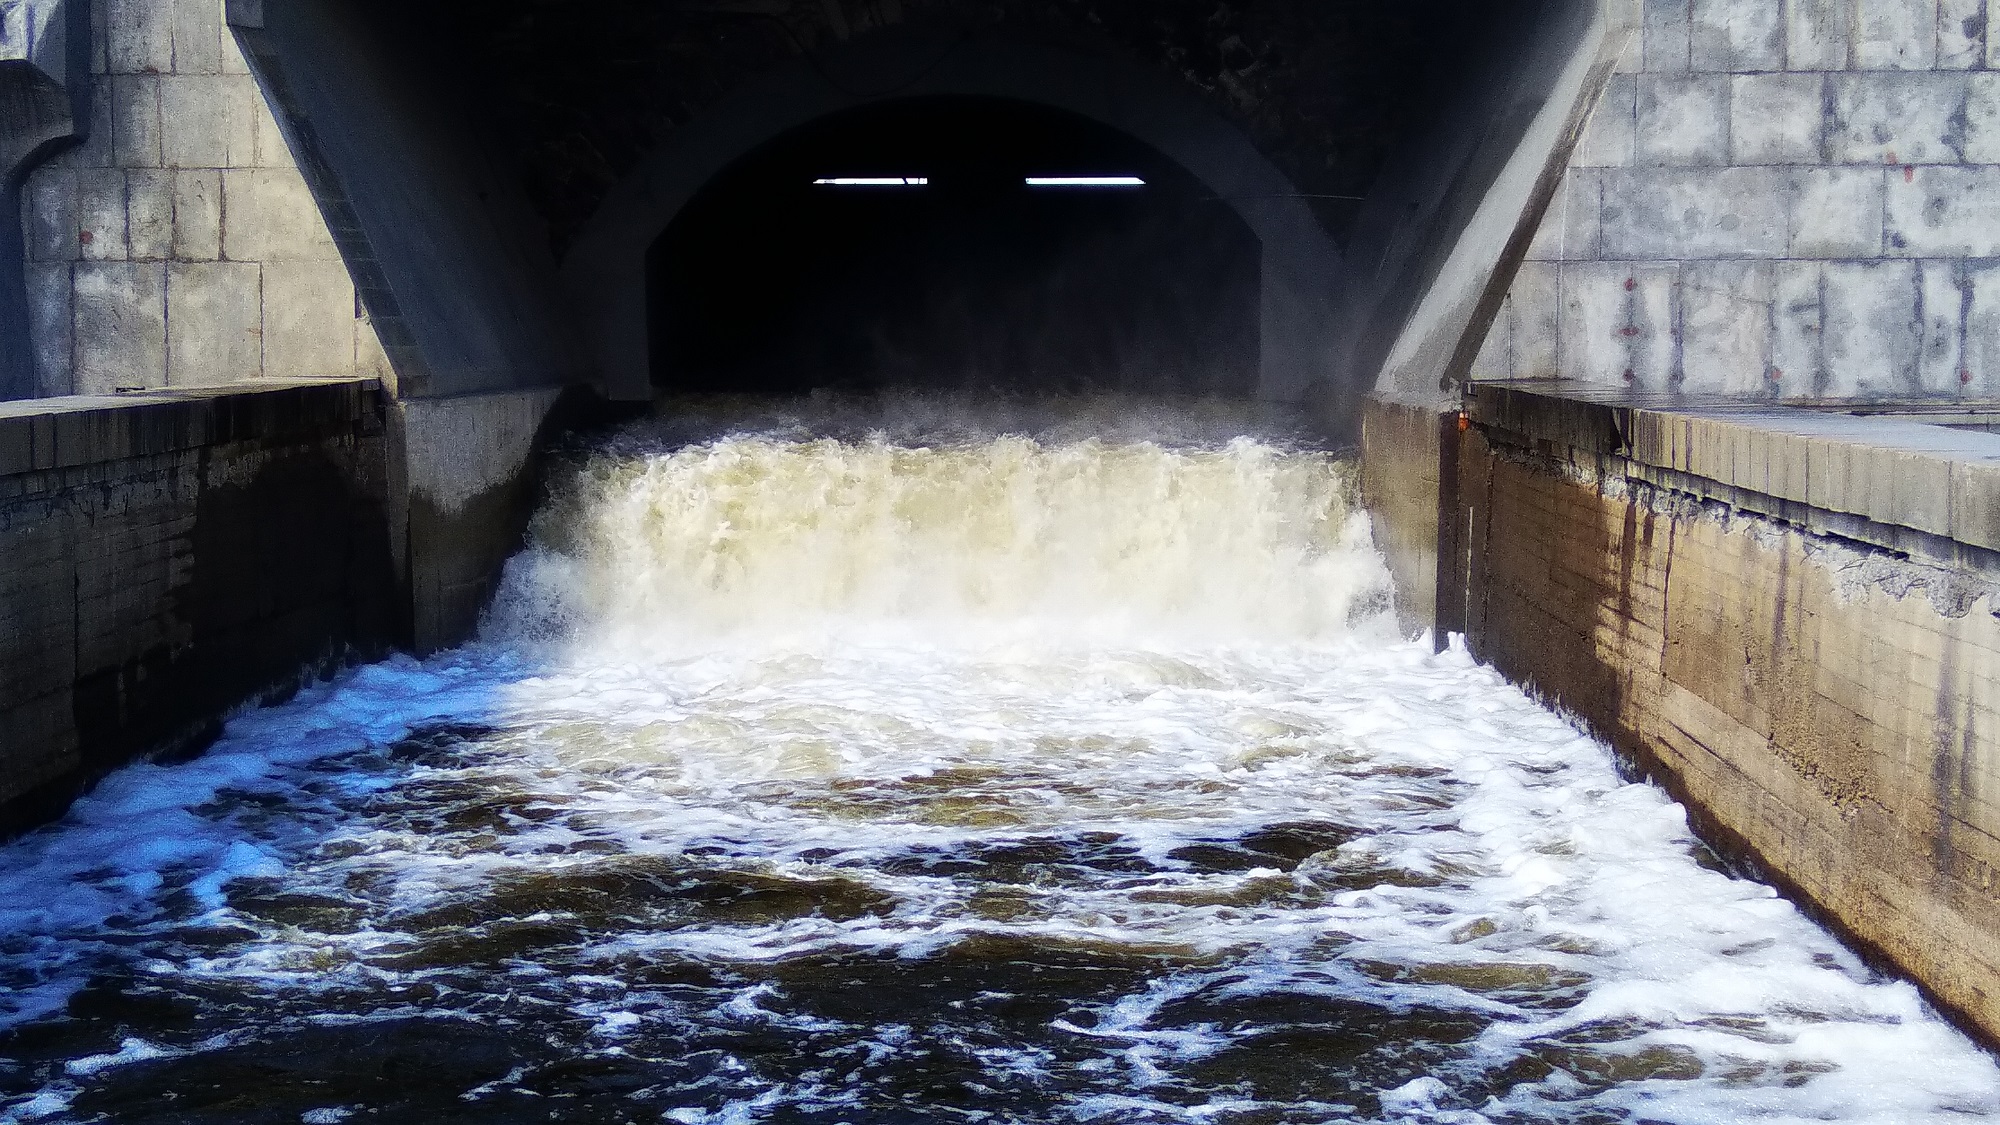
1890,470
37,435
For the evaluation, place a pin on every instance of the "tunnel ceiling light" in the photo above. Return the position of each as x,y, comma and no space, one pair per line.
1085,181
873,181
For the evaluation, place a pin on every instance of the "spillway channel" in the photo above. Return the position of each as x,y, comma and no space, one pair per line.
821,771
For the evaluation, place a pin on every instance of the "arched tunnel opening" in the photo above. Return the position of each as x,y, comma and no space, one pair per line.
962,243
622,195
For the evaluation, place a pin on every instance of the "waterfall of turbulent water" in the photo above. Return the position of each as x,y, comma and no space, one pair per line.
770,540
991,780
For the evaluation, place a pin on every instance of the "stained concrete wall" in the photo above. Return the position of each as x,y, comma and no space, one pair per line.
179,245
1403,451
1778,198
465,474
168,556
1790,618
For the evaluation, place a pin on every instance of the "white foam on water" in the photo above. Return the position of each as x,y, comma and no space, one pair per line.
131,1051
779,542
829,667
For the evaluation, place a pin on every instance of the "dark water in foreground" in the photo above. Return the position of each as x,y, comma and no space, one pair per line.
1058,783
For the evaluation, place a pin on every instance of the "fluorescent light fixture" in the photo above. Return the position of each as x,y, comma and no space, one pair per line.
1085,181
874,181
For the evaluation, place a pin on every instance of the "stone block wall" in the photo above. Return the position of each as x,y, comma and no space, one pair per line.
1777,198
180,246
1826,708
169,556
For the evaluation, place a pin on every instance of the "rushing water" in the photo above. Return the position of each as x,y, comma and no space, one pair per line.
989,780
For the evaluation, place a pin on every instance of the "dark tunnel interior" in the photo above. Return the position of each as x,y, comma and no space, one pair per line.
572,96
961,274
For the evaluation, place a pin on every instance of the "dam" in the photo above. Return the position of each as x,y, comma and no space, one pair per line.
729,561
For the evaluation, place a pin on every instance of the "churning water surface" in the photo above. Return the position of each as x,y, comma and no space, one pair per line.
867,779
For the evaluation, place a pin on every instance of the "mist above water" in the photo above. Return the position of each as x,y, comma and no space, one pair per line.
835,767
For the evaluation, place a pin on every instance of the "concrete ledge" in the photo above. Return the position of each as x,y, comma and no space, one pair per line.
1887,472
62,433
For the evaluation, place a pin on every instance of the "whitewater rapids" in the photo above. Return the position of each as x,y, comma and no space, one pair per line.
992,779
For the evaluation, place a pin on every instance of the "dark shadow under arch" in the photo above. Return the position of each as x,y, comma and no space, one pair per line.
974,280
605,273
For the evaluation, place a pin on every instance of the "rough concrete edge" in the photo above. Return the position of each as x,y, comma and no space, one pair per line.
1939,487
456,448
75,431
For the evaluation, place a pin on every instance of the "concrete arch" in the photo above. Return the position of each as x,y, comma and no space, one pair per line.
604,273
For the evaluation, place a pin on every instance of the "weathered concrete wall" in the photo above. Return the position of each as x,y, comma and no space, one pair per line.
1402,464
1778,198
466,476
1792,620
179,245
165,557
